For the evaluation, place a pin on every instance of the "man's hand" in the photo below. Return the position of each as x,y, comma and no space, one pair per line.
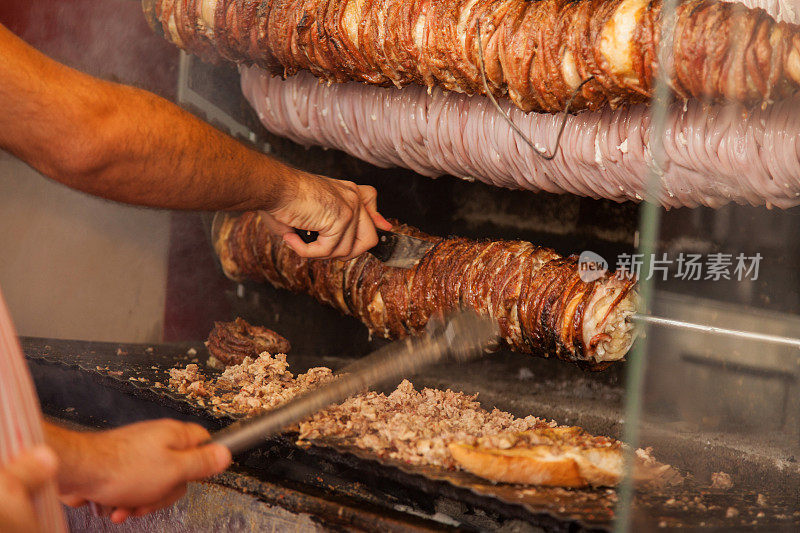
131,146
19,479
137,468
344,214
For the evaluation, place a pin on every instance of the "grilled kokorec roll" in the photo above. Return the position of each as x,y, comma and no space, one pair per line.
537,296
537,53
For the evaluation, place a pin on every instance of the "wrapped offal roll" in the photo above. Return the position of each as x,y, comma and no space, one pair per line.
713,154
538,297
537,53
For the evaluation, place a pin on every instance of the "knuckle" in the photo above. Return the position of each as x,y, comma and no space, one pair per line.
172,424
182,432
350,189
197,432
73,501
169,423
351,198
207,462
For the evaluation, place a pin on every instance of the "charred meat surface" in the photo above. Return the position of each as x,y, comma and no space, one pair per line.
538,297
230,342
535,53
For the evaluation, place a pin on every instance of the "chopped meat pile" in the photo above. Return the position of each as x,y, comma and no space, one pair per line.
557,438
415,427
410,426
248,388
230,342
721,480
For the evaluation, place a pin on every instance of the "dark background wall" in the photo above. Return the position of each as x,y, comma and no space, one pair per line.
105,38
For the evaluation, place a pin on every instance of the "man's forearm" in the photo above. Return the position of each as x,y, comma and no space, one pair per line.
123,143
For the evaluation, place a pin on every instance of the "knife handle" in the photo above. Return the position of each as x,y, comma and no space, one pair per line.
308,236
382,251
386,244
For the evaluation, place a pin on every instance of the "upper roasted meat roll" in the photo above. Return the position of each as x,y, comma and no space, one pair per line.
537,53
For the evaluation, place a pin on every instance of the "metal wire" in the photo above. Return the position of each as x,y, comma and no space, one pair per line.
541,153
749,335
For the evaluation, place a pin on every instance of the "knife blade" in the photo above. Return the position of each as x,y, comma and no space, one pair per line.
393,249
460,337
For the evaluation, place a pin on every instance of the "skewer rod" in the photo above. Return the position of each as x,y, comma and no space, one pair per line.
750,335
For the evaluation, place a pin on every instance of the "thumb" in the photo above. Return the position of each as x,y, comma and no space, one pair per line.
204,461
33,468
293,241
275,226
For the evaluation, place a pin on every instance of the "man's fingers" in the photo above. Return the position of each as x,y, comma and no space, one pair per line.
379,221
204,461
344,241
322,247
73,501
33,468
337,242
293,241
347,227
186,435
166,501
366,237
344,214
119,515
369,197
349,235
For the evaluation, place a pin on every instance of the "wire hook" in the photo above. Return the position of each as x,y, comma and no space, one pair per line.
541,153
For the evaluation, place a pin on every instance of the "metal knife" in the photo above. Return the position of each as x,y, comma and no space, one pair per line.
460,337
393,249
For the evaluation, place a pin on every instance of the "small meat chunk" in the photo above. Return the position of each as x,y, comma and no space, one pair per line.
231,342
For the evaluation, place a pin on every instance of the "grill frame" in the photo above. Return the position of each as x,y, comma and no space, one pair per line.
107,384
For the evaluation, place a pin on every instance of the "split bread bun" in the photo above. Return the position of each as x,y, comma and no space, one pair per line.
557,457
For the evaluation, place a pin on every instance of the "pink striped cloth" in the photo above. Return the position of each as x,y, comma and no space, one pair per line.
20,418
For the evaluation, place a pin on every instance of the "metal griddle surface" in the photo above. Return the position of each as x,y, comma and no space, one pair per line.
107,384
